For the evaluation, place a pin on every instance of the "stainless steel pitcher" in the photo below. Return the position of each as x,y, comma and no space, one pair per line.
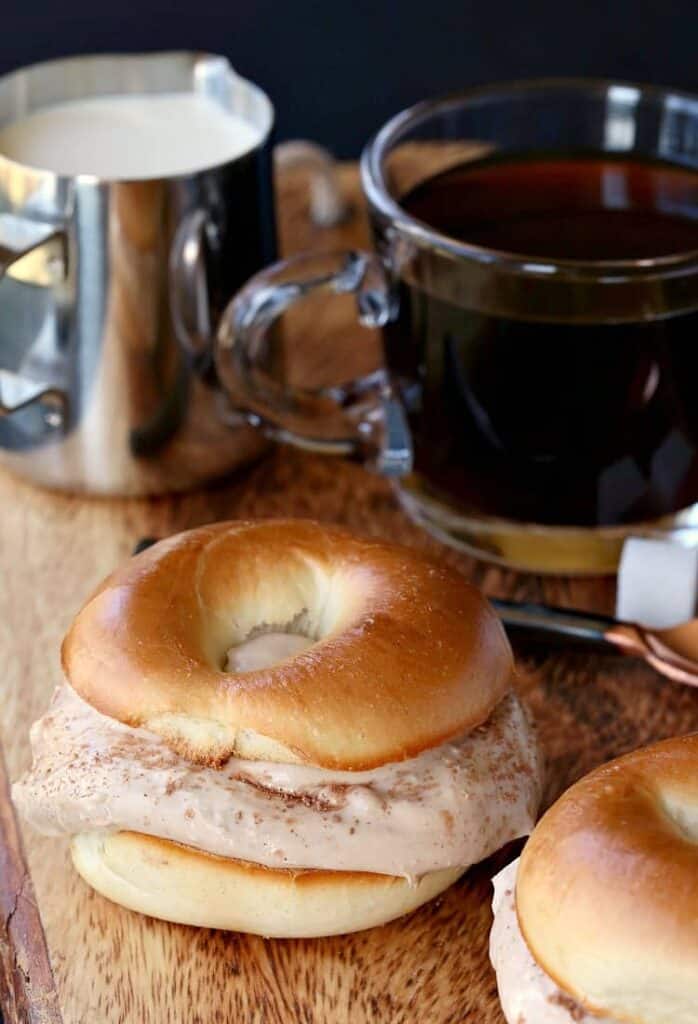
110,292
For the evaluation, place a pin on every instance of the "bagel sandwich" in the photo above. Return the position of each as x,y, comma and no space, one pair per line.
280,728
597,923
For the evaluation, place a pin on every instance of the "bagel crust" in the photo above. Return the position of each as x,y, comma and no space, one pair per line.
607,888
405,655
175,883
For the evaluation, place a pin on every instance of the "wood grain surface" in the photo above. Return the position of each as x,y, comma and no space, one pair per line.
26,979
113,966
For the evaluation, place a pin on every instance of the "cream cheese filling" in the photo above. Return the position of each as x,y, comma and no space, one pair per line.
450,806
527,994
265,650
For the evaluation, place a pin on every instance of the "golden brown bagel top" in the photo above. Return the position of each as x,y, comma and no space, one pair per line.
407,653
607,888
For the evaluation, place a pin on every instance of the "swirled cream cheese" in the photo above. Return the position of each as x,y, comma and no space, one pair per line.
527,994
449,806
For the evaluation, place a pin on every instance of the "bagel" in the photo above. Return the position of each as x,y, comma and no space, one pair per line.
174,883
605,924
281,728
410,654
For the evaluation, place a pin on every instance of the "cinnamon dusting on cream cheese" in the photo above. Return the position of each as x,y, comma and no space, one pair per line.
450,806
527,994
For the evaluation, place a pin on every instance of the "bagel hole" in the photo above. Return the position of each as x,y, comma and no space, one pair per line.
297,597
269,644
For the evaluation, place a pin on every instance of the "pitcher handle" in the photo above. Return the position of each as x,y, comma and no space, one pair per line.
189,298
362,417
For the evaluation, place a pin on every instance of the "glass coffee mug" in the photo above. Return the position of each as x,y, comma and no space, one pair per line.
536,281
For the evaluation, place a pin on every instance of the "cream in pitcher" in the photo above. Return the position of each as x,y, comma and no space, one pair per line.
129,136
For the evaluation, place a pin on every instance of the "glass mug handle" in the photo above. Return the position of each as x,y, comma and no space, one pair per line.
361,417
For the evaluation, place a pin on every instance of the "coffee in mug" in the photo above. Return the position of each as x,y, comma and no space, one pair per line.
568,422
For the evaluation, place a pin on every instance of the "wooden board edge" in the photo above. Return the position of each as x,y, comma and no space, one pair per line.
28,992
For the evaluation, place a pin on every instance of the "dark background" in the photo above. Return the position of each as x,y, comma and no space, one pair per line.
337,69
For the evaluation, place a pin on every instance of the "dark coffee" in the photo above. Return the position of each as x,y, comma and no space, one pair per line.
554,423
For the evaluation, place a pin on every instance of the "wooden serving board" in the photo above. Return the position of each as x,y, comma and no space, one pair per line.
109,965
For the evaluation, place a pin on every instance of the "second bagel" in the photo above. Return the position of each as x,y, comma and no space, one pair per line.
598,921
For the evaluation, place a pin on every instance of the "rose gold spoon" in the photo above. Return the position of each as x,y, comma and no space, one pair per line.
672,652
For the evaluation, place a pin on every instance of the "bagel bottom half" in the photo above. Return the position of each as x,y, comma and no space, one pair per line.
176,883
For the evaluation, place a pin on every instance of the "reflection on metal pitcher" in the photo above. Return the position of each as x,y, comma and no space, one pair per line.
105,380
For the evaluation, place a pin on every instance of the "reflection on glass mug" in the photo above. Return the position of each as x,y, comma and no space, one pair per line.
135,198
536,279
